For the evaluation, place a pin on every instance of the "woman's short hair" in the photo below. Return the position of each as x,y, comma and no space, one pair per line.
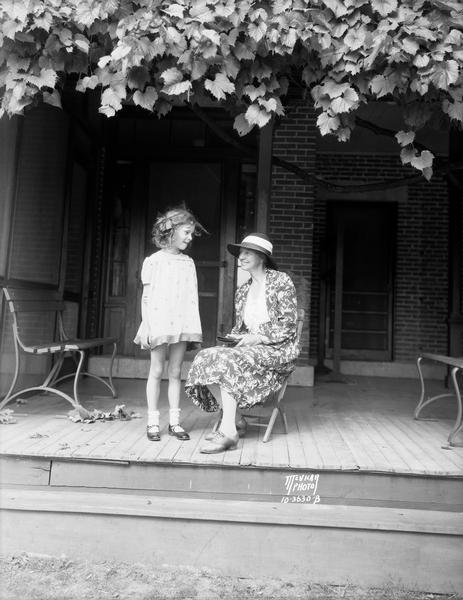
166,224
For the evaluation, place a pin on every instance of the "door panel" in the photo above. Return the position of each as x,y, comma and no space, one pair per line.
366,234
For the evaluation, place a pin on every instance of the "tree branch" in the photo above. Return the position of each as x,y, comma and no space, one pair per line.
307,176
384,131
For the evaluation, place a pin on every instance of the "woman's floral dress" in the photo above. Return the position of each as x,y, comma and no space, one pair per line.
251,373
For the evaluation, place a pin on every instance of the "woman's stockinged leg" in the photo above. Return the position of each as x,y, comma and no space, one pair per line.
228,426
227,402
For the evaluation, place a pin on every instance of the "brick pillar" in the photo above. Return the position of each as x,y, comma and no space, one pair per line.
291,207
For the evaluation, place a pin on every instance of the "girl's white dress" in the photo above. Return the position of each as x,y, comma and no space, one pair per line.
170,298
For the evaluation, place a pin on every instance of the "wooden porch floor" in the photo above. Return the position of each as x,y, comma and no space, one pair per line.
364,425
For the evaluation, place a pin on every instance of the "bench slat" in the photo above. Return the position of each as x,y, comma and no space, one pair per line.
32,295
29,306
67,346
452,361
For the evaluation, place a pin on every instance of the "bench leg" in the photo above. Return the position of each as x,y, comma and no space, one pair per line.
77,375
51,378
420,375
9,393
458,423
109,384
422,402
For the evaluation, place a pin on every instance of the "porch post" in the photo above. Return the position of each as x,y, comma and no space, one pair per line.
338,289
455,252
264,177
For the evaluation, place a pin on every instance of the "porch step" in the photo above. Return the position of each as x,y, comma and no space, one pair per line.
128,367
367,546
354,488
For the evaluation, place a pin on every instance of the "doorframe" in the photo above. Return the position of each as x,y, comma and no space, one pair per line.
395,196
229,196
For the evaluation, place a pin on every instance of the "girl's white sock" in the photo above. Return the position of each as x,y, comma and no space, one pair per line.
174,416
153,417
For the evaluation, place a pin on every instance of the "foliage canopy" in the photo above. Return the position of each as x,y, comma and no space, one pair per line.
243,54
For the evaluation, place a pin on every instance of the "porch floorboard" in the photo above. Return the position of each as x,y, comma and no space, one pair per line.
363,425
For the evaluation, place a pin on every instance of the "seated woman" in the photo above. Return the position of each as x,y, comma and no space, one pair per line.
265,329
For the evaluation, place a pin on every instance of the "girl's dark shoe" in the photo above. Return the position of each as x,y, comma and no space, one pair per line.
178,432
153,434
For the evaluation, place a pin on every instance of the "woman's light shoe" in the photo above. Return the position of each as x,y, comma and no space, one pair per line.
241,427
219,443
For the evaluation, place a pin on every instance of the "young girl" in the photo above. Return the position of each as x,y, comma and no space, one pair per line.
170,312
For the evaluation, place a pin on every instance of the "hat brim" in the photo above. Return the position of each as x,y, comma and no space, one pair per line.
236,248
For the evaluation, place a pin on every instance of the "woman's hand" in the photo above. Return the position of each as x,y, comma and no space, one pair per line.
249,339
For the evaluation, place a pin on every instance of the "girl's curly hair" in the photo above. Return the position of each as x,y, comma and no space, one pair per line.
166,224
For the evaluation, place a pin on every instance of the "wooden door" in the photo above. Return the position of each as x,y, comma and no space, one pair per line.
125,250
360,278
198,186
143,191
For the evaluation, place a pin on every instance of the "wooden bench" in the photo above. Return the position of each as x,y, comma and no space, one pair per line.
25,306
456,368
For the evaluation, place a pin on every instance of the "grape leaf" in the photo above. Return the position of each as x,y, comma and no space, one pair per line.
220,86
146,99
405,137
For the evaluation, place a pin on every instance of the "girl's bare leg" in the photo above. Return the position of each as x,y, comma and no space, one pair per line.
153,384
176,355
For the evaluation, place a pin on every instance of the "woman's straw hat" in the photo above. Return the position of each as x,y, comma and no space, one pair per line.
255,241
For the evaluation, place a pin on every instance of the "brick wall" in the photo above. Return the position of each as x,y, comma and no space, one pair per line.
291,208
421,272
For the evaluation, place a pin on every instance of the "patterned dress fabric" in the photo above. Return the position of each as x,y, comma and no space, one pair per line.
251,373
170,297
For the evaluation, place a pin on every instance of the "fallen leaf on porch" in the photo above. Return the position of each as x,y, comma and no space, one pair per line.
6,417
119,412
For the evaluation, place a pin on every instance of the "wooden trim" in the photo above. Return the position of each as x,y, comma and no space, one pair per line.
338,292
67,195
10,194
230,183
455,321
25,284
264,177
393,195
300,515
